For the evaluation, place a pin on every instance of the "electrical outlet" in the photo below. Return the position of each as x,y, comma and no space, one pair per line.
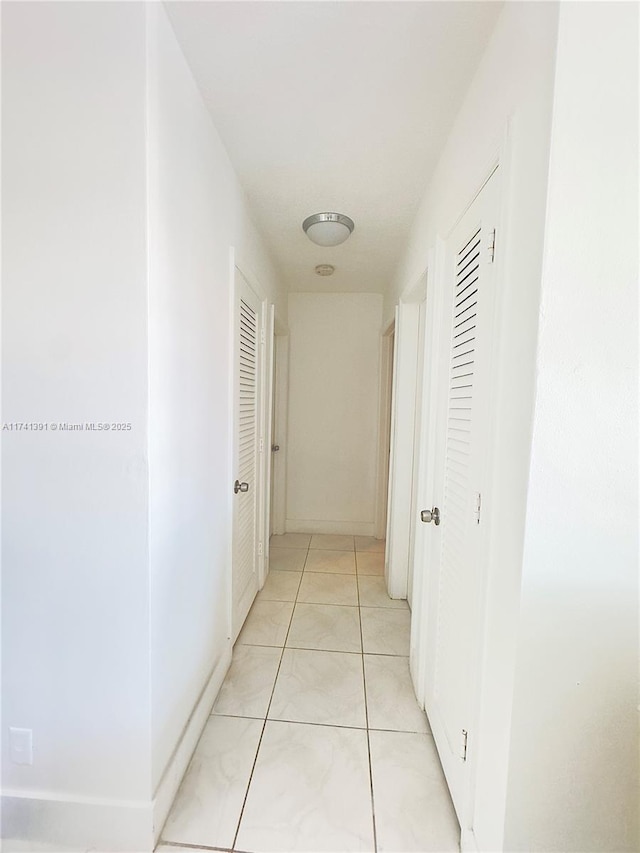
21,745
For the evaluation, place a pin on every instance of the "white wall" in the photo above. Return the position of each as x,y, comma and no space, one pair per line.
75,579
573,780
509,101
333,411
558,763
120,209
197,212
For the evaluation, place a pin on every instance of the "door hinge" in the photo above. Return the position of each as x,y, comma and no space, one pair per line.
463,745
263,336
477,505
491,248
261,445
259,549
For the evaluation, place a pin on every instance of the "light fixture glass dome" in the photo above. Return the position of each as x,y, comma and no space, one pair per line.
328,229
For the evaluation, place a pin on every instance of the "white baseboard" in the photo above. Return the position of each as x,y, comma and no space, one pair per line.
45,820
468,843
349,528
179,761
67,824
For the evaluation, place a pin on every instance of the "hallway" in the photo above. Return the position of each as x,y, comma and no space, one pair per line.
314,269
316,741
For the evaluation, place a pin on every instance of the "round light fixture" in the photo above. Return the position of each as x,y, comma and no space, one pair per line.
325,269
328,229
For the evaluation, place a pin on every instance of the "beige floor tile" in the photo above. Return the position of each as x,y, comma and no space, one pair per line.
290,540
391,700
248,685
370,563
319,588
385,631
267,624
208,805
310,792
373,593
286,559
325,627
369,544
280,586
414,812
336,562
320,687
331,542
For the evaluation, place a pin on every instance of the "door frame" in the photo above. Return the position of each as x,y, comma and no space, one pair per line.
270,377
385,426
280,379
406,409
421,636
237,264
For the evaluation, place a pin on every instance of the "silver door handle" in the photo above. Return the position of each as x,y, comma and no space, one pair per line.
275,447
429,515
240,487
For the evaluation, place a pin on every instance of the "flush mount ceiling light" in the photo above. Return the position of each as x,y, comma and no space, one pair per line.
325,269
328,229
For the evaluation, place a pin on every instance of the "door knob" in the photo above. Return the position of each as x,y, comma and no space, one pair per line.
429,515
240,487
275,447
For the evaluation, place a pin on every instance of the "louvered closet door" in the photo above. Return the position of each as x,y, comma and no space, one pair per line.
458,543
246,428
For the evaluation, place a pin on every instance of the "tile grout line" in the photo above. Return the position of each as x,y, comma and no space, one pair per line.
189,846
321,725
266,715
366,714
314,649
265,719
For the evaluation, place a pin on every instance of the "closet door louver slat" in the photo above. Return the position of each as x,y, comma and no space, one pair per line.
247,429
451,671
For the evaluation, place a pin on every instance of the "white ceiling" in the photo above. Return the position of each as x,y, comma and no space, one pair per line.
334,106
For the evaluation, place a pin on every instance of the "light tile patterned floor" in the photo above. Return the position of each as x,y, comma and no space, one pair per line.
316,743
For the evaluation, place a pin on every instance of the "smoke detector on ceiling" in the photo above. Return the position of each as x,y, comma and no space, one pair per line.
325,269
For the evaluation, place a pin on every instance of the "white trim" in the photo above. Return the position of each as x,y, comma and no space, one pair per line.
347,528
231,447
179,761
268,437
414,508
77,823
420,628
416,290
468,843
252,280
487,174
406,397
264,433
385,426
501,404
281,377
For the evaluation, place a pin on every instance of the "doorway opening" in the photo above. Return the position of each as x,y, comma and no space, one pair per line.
385,430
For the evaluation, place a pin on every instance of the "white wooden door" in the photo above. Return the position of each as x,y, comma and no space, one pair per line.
457,546
247,374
